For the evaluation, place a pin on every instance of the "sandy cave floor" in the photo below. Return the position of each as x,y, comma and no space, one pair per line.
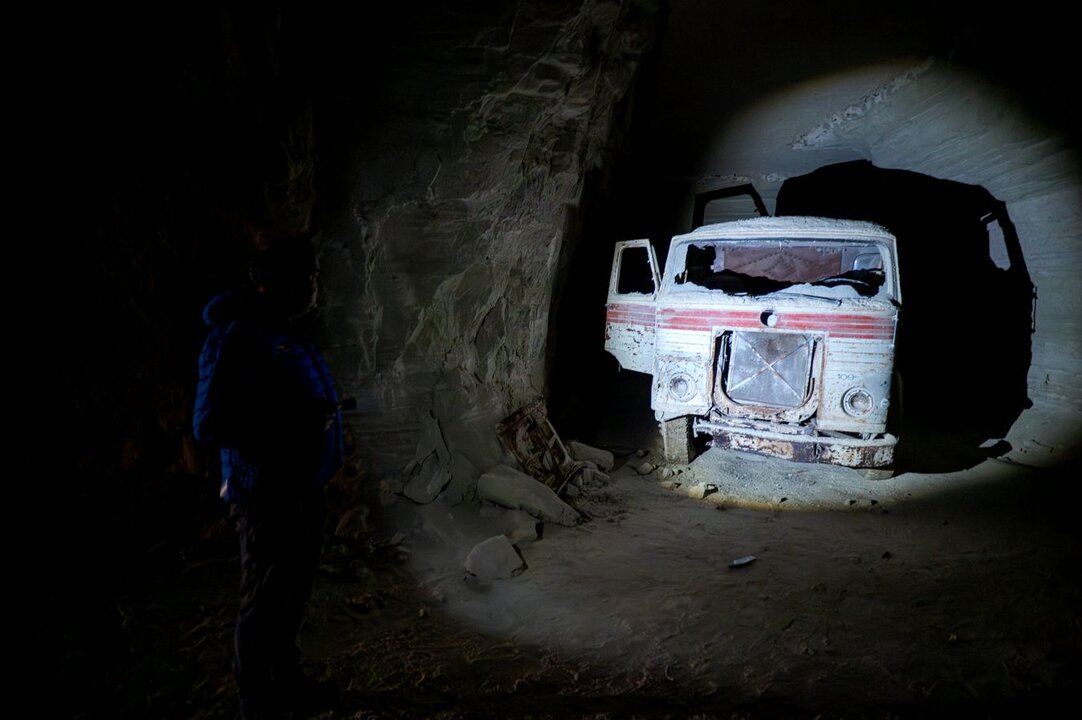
920,595
928,594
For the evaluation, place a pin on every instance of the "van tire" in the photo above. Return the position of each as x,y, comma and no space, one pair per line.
676,440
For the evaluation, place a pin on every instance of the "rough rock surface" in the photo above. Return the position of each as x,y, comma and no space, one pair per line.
512,489
445,267
494,559
600,457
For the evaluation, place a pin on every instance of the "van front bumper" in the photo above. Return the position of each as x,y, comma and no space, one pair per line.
803,444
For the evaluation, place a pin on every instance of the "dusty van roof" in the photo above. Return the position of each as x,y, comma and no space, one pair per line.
790,226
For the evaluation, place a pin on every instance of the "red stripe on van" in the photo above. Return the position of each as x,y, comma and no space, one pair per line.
851,325
630,314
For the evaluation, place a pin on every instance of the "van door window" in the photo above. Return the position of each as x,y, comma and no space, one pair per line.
636,275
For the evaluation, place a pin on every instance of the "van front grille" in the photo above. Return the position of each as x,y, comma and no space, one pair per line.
767,368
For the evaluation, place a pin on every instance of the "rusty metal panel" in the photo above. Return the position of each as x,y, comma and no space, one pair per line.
785,449
630,335
530,437
866,456
850,452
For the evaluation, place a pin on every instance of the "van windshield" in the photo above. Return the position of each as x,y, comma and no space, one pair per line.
754,267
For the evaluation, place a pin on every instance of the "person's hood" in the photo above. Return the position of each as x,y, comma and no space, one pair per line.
223,308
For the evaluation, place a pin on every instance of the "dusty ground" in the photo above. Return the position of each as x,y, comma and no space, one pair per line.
947,594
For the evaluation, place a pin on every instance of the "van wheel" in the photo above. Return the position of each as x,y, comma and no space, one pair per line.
676,437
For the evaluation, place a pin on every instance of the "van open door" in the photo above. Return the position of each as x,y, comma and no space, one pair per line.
629,312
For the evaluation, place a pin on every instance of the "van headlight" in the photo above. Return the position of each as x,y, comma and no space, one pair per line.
857,402
681,387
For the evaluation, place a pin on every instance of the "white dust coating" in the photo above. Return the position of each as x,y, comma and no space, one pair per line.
516,490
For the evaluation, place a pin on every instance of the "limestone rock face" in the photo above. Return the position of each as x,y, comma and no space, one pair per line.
439,281
429,472
600,457
512,489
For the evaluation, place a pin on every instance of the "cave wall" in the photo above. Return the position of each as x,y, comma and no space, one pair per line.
470,148
441,155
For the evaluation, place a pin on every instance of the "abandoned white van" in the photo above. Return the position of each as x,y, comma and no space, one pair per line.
773,335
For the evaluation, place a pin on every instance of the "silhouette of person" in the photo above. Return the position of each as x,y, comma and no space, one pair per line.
266,399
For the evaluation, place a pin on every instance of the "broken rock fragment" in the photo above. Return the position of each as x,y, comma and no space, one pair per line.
603,459
429,472
589,477
510,488
494,559
645,468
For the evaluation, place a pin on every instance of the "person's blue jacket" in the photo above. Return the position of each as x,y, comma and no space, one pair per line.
266,398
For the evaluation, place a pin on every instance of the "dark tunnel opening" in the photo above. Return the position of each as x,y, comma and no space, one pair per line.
964,336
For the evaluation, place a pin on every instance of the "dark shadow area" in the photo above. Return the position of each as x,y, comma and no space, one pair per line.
964,337
702,200
587,388
623,200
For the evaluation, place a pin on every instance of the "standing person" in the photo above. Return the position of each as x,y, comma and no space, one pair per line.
266,398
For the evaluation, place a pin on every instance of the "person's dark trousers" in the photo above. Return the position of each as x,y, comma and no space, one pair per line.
281,539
